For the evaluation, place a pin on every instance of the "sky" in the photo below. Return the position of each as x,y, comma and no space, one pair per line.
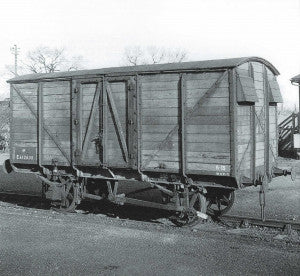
207,29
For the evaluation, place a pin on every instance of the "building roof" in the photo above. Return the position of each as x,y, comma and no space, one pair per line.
153,68
5,102
296,79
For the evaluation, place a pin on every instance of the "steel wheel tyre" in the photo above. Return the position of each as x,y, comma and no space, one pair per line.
220,203
69,197
190,217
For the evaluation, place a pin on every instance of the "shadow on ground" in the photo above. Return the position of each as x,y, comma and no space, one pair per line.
90,207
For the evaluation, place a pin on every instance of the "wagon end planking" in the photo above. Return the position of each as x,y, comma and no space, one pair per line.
193,131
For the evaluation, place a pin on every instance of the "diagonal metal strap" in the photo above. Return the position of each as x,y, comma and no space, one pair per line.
31,108
244,153
259,122
188,117
117,122
87,135
264,132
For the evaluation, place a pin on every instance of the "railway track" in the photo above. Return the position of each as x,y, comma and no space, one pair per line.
271,223
35,201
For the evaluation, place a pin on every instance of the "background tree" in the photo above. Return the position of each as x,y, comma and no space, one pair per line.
47,60
44,60
136,55
133,55
4,124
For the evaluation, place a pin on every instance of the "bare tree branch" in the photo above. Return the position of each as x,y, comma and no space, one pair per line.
157,55
47,60
153,55
10,69
75,63
176,56
133,55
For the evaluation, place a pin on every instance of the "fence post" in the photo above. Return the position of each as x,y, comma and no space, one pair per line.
293,131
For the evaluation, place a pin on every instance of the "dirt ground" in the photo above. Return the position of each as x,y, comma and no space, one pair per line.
44,242
39,241
282,200
282,196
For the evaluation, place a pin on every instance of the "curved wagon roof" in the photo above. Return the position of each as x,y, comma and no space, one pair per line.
153,68
296,79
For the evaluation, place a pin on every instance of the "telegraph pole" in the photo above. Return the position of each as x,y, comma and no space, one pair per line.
15,51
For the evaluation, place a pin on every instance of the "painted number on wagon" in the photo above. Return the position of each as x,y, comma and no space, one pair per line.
222,170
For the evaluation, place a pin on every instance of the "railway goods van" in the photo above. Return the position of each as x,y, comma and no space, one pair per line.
193,132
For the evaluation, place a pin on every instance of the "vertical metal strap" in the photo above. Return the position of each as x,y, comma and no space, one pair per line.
138,119
182,123
78,120
252,129
132,121
233,118
72,119
267,122
40,121
129,120
103,123
277,133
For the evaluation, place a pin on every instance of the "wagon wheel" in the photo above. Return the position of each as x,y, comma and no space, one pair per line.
69,196
190,216
220,204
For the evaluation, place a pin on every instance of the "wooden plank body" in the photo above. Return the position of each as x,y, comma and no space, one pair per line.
189,123
206,136
257,127
41,122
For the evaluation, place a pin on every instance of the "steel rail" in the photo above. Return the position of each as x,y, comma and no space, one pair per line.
12,193
272,223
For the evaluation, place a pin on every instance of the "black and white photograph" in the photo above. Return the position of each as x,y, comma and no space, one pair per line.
153,137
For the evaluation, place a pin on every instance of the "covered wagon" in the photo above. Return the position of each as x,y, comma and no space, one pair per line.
192,131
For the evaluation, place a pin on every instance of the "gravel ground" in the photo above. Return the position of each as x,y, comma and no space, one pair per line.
282,200
44,242
282,197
